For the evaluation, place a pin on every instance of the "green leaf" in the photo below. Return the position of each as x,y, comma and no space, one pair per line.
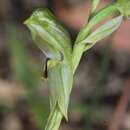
60,84
102,32
49,34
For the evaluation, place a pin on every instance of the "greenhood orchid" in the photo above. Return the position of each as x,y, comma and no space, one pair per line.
63,59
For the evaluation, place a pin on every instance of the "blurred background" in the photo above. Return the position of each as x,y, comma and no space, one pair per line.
100,99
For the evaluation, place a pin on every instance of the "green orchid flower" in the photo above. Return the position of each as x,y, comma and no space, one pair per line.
53,39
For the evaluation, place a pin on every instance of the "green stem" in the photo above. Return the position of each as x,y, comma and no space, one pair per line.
77,54
54,119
